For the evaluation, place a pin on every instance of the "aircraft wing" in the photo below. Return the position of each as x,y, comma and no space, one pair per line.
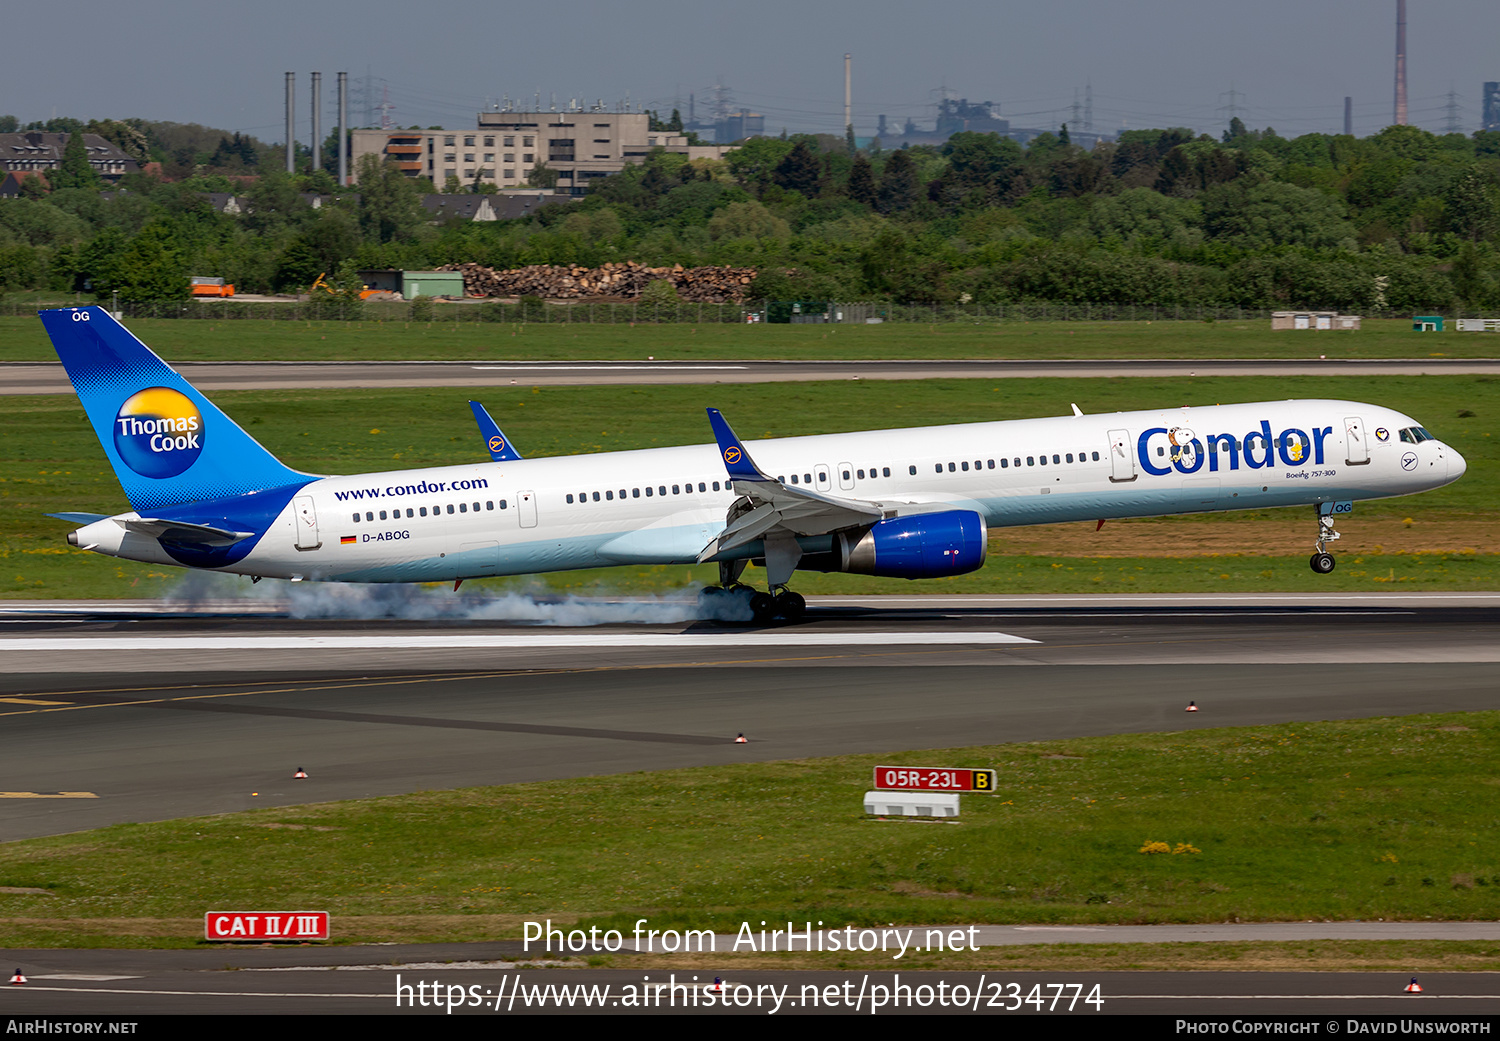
779,511
495,443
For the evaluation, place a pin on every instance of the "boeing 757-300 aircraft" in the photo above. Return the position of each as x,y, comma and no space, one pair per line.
912,503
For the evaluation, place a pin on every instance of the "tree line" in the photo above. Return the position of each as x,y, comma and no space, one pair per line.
1400,221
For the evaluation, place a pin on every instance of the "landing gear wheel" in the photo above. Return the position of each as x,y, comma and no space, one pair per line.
1322,563
762,606
791,606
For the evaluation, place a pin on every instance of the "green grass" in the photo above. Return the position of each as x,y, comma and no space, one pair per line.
1362,819
51,462
23,339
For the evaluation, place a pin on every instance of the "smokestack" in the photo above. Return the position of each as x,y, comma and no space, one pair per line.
848,96
1401,63
317,122
1348,117
343,129
291,123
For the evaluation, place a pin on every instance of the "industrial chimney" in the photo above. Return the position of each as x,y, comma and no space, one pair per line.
1401,63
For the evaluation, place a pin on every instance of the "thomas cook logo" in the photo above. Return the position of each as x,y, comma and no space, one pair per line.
731,455
158,432
497,444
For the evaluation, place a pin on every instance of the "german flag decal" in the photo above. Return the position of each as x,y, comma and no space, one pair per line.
348,540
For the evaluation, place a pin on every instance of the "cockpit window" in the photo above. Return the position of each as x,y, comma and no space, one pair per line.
1416,435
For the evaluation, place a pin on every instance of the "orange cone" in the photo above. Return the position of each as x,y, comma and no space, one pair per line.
1192,707
18,979
741,740
300,775
1413,987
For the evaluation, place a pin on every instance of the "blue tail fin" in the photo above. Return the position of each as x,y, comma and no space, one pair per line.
167,443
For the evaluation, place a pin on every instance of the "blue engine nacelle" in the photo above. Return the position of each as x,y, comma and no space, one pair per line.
927,545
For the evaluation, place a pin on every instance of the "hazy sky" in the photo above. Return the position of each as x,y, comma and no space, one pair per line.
1151,63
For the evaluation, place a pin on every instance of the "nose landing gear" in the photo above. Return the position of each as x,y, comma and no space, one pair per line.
1322,561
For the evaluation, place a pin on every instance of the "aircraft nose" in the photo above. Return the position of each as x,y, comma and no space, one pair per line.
1456,465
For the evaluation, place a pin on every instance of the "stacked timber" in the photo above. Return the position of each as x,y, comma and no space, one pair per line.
625,281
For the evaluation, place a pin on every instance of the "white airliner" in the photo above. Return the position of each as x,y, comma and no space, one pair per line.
912,503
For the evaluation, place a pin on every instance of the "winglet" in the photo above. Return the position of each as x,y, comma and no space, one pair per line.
499,448
737,461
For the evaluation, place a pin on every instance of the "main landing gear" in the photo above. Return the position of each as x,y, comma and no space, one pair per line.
731,600
1322,561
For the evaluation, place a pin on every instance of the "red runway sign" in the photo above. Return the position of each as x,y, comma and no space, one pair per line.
934,779
266,925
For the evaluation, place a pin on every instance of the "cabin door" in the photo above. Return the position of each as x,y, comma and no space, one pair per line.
1356,448
307,523
1121,458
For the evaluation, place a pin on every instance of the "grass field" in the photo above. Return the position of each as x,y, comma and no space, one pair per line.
23,339
1448,539
1365,819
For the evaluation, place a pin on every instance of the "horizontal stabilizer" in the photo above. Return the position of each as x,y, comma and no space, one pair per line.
80,518
180,531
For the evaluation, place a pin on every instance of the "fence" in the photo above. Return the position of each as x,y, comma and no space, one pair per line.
584,312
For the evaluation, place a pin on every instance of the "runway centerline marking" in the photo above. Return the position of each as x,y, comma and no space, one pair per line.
544,369
540,640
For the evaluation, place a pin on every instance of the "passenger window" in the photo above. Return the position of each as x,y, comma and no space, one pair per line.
1070,457
716,486
423,511
887,470
807,478
450,507
382,515
648,491
992,464
1096,457
1004,464
409,513
703,488
674,489
636,492
356,518
596,496
609,495
1041,457
463,507
846,474
861,474
1031,460
502,504
953,469
570,498
937,468
1057,459
912,470
661,489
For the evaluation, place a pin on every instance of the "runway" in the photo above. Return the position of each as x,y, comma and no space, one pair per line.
128,716
34,378
133,983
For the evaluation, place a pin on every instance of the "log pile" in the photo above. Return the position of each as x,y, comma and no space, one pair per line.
623,281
